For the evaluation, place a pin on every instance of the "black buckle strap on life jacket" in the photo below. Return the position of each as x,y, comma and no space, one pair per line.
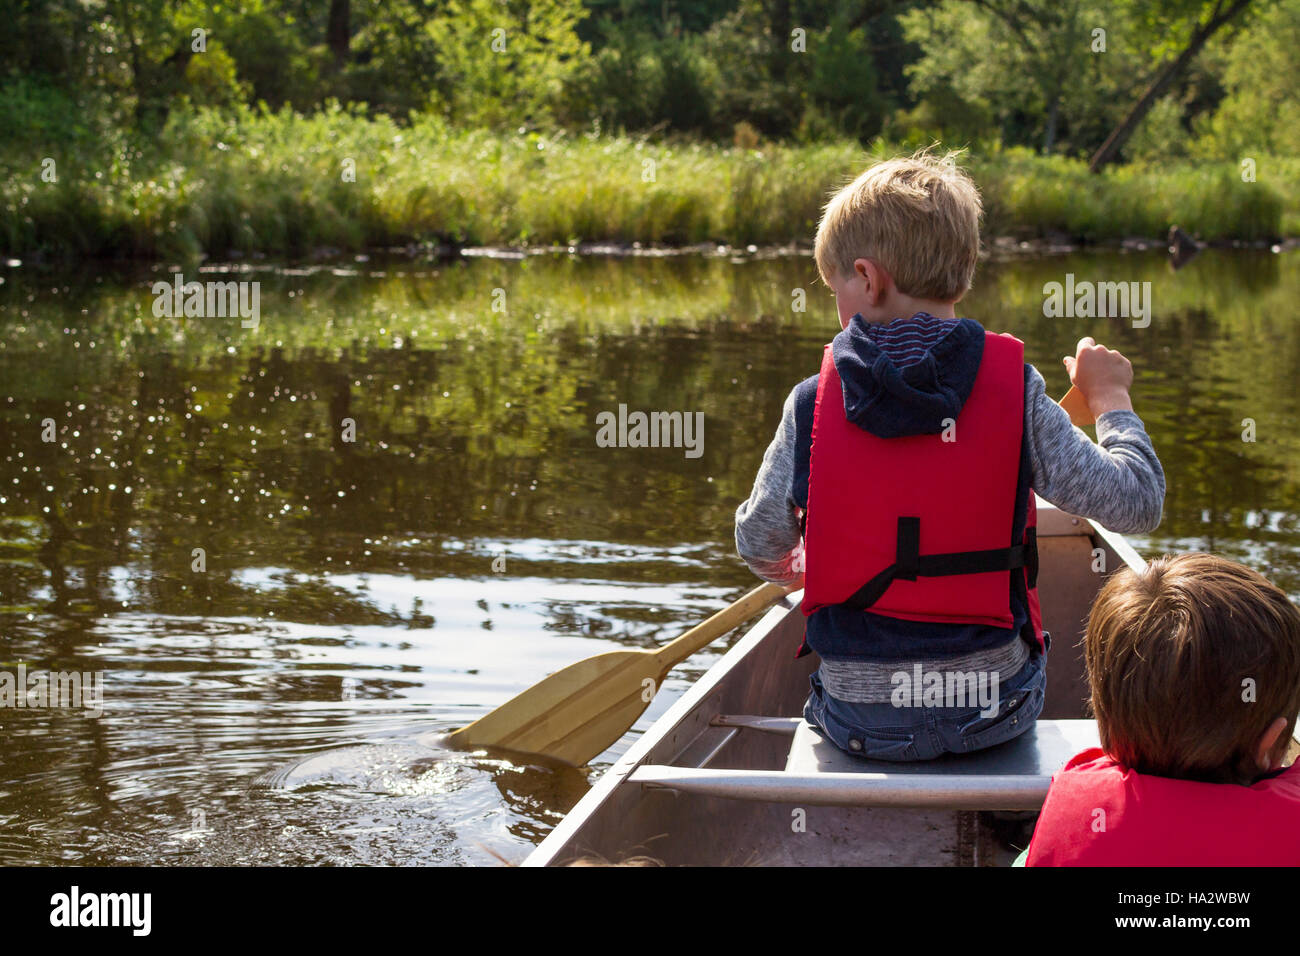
1031,557
909,563
1022,584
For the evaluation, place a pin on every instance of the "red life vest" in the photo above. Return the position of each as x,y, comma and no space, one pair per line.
1098,813
919,527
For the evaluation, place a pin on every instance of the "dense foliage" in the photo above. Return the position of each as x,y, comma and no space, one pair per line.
184,127
1055,75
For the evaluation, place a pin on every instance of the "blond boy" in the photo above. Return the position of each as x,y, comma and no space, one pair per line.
906,468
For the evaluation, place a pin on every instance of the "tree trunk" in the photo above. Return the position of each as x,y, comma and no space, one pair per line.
1049,134
779,26
337,32
1115,142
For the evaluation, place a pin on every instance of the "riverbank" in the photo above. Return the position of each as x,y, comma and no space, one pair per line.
286,185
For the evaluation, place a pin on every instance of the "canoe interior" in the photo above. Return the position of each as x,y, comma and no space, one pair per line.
759,676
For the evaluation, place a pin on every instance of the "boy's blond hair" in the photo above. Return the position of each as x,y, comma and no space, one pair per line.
1190,661
919,217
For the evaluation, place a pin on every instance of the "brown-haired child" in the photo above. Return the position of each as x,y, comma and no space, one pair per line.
1194,666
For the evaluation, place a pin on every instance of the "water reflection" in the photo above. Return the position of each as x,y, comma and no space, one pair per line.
259,588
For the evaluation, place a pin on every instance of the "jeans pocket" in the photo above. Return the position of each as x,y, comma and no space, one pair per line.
859,736
883,745
852,737
1017,714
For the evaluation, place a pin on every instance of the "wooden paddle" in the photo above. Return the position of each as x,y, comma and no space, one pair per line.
577,713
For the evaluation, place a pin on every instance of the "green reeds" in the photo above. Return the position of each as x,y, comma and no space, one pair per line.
285,185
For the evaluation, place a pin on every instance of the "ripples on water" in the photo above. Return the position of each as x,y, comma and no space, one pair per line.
197,708
474,538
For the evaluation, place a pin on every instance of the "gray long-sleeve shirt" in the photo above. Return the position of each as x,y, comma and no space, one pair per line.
1117,481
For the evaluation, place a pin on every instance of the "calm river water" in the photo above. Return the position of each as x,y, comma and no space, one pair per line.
255,587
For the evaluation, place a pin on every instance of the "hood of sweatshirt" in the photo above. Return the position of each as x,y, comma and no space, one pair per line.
907,376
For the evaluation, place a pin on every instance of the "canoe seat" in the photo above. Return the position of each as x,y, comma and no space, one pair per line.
1040,751
1011,776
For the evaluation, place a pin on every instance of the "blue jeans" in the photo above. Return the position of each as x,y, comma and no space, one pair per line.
887,732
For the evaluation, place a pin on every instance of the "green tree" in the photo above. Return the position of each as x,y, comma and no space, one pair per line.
280,57
1260,112
156,44
505,62
821,81
1029,63
841,87
53,41
1182,27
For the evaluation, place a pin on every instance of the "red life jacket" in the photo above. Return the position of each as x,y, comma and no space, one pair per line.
1098,813
917,527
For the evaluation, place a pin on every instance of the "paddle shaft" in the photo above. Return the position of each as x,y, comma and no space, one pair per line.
709,630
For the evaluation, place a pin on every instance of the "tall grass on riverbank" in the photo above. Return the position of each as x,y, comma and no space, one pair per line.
283,184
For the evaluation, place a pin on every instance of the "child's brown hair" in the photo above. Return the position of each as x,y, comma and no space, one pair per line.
1189,662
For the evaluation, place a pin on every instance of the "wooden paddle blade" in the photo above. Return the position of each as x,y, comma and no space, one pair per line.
574,714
